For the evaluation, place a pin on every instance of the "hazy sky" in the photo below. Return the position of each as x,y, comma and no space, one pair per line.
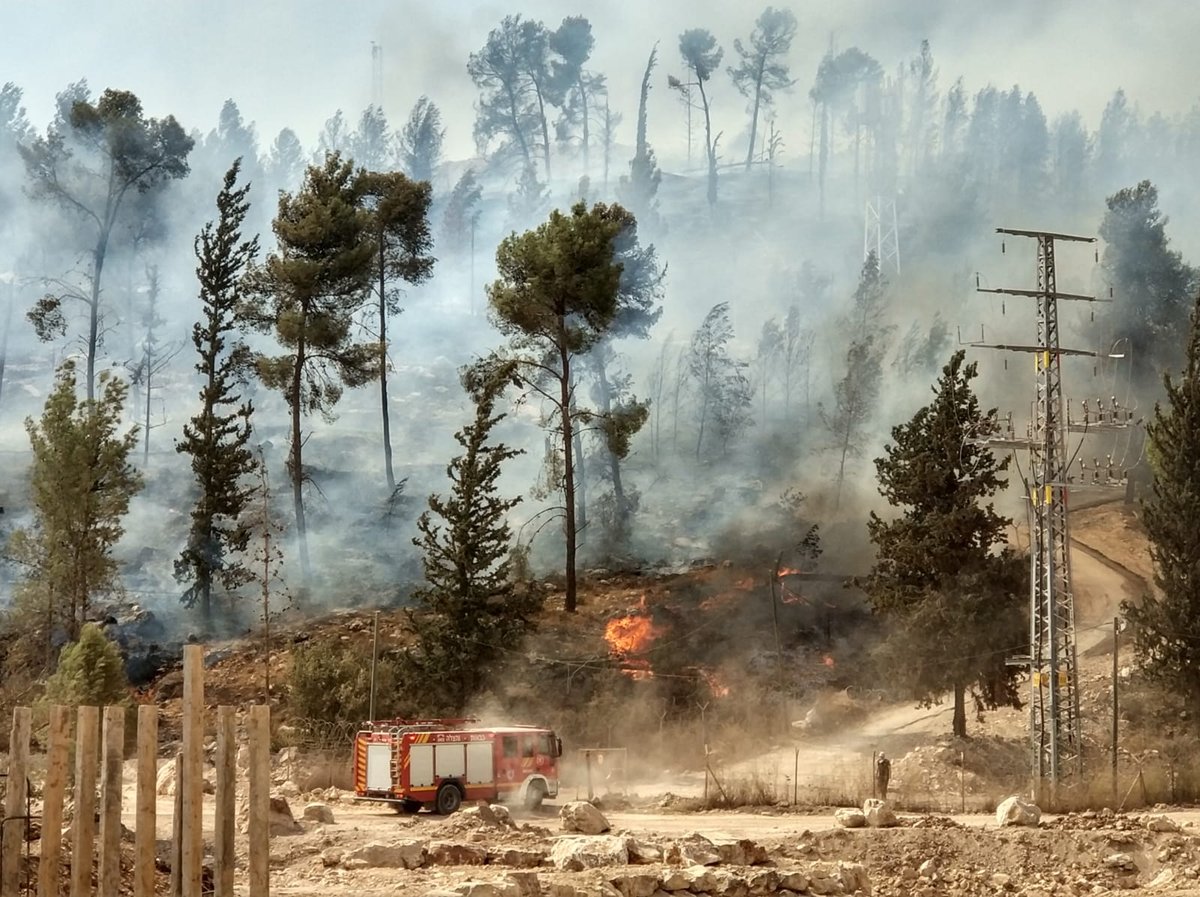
293,62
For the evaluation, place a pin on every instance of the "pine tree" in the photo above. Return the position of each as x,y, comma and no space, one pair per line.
723,392
854,397
218,436
81,486
469,611
1166,625
310,292
90,672
952,605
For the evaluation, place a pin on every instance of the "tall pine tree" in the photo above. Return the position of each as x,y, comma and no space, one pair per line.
952,604
1166,625
469,611
217,437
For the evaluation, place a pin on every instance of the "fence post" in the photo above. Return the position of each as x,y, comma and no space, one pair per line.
147,795
260,799
83,823
49,878
14,801
190,778
177,830
109,875
223,851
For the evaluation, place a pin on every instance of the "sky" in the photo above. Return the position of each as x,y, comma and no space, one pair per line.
291,63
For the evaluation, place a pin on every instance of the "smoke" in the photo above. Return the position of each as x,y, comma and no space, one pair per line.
293,64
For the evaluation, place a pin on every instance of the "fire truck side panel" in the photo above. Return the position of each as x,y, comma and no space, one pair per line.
420,766
479,763
379,767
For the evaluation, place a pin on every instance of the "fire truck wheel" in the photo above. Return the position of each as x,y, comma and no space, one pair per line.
449,798
534,795
407,806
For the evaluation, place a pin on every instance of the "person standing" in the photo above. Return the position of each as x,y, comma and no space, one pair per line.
883,773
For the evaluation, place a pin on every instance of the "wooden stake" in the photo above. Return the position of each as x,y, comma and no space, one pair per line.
190,777
109,874
145,835
83,824
14,802
260,799
223,854
177,830
57,755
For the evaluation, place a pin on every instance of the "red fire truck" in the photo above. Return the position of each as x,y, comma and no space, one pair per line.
439,763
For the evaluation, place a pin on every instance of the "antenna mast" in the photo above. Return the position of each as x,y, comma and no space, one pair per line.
376,75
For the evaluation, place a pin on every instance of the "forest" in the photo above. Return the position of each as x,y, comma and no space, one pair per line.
241,361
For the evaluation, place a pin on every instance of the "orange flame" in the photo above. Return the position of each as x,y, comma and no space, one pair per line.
788,571
632,635
718,688
828,661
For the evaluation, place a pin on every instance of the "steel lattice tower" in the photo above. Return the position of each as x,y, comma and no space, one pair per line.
1052,661
881,233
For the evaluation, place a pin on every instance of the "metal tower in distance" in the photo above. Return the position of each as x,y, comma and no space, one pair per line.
1054,698
881,234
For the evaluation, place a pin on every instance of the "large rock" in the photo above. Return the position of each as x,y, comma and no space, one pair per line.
574,854
516,857
1016,810
318,812
642,852
838,878
697,879
1162,823
635,884
452,853
740,851
693,850
878,813
488,889
850,817
580,816
280,820
377,855
164,784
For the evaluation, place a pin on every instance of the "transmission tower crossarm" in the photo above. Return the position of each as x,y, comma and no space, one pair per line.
1051,350
1036,294
1044,234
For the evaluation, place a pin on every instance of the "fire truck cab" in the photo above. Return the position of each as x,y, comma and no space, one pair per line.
438,764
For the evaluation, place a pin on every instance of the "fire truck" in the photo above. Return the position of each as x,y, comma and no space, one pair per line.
437,764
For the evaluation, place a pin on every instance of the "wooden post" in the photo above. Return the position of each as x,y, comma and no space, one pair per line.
177,830
191,777
1116,710
109,875
14,802
260,799
147,794
223,854
962,782
83,824
57,754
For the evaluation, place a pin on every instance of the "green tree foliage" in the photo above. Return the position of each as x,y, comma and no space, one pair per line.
285,166
218,435
840,82
1166,625
577,90
420,140
90,672
1150,280
399,223
951,603
763,65
309,292
81,485
94,158
557,296
462,214
371,142
330,684
724,395
701,55
512,73
469,613
854,400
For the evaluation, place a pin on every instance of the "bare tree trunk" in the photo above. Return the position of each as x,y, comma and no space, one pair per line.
614,463
960,710
297,465
383,385
824,160
710,148
568,465
841,477
94,318
754,116
4,338
587,133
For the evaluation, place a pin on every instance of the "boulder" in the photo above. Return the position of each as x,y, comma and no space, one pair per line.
878,813
1016,810
693,850
318,812
487,889
580,816
164,783
377,855
1162,823
635,884
574,854
642,852
527,883
838,878
849,817
452,853
793,881
516,857
740,851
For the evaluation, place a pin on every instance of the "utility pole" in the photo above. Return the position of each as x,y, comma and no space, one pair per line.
1116,705
881,233
376,75
1054,697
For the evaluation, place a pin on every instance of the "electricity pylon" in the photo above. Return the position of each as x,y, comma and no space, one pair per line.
881,234
1052,661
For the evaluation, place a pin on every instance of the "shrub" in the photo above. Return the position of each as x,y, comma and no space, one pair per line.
330,683
90,672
